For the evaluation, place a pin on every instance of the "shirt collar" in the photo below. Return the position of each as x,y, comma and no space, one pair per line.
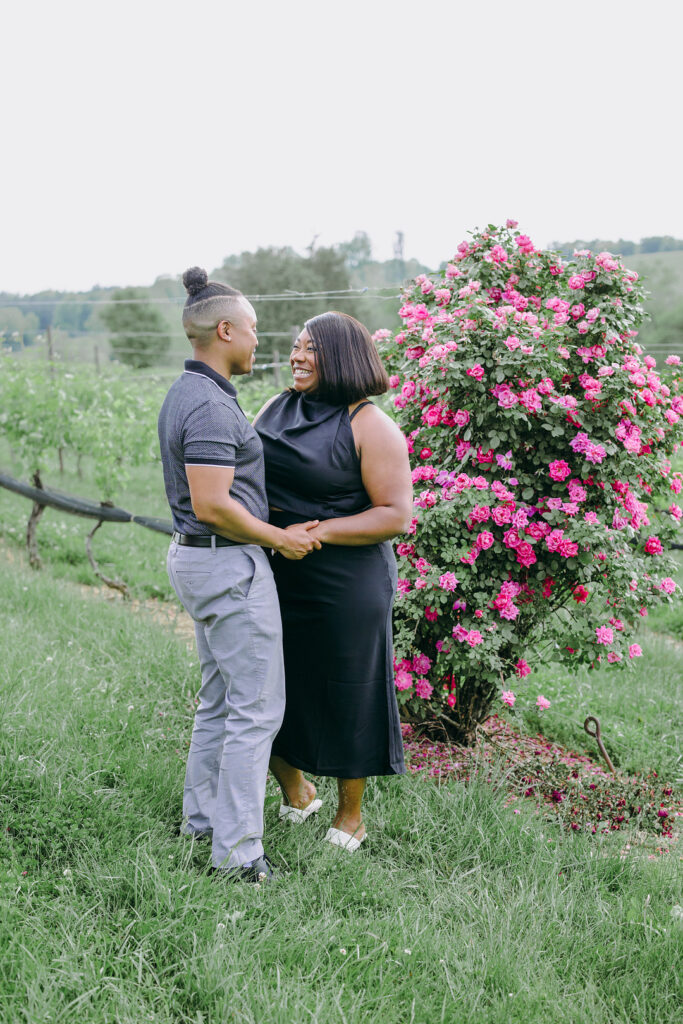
196,366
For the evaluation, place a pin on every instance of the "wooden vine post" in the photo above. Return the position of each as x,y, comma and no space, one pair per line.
36,512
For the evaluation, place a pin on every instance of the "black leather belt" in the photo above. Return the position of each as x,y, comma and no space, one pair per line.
190,541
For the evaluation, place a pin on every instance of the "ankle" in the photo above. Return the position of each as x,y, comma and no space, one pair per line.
351,823
300,795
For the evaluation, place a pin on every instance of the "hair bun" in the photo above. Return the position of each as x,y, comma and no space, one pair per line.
195,280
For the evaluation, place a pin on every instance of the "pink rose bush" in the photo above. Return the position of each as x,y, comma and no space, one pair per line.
546,504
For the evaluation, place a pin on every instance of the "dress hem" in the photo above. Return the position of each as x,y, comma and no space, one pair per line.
341,773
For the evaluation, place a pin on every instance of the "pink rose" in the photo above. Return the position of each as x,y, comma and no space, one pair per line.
405,549
522,668
635,651
508,698
559,470
604,634
403,680
448,581
501,515
653,546
421,664
432,415
542,703
484,540
423,688
506,399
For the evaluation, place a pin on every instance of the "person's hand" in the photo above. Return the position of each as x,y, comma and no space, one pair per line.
297,541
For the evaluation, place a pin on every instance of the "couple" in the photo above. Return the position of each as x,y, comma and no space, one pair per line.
304,500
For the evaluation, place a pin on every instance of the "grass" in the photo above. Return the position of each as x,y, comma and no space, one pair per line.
454,910
640,708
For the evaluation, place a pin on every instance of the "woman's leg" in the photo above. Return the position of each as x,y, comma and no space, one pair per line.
349,817
296,790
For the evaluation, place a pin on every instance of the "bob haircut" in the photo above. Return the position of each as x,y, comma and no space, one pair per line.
348,364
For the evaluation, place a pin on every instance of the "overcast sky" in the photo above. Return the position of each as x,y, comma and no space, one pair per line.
142,137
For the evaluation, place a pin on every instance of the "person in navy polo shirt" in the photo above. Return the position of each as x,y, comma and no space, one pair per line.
215,483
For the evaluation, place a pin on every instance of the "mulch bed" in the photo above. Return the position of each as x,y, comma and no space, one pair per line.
562,785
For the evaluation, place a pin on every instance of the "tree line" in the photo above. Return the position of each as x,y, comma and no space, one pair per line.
140,333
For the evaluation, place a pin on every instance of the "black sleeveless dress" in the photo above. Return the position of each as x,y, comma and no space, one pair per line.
341,717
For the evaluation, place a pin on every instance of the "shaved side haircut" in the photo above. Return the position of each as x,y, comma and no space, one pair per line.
208,303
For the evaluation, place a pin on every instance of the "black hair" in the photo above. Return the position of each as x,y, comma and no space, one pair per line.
348,364
199,288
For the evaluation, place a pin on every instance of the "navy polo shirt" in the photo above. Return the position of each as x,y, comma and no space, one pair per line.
201,424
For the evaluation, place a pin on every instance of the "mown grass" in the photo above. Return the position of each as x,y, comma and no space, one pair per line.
456,909
640,708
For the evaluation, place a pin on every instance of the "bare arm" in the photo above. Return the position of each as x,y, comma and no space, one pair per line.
385,470
212,504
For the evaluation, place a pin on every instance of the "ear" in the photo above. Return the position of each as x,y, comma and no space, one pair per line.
223,330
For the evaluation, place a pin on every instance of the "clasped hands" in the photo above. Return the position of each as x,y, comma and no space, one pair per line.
299,540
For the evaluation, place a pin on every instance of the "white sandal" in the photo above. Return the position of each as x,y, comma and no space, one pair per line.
343,839
299,814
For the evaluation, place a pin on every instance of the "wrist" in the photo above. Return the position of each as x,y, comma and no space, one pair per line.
321,531
279,538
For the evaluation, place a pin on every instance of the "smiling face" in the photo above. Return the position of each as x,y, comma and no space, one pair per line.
304,363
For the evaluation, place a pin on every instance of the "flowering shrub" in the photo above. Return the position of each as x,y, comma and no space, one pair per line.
539,436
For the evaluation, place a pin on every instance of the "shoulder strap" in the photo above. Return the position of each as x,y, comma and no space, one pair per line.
358,408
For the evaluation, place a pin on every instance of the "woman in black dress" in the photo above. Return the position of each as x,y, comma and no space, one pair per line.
333,456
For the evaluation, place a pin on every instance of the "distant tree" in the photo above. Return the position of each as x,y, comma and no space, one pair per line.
667,330
357,252
653,244
16,328
276,271
139,331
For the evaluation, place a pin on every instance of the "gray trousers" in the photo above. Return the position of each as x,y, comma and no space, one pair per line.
230,593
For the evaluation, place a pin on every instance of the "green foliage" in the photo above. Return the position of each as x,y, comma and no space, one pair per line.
139,328
113,421
16,328
273,271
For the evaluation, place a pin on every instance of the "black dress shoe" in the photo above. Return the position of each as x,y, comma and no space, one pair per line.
260,873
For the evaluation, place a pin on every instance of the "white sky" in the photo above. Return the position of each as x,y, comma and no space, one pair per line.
145,136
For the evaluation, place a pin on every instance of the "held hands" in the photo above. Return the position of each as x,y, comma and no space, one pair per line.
297,541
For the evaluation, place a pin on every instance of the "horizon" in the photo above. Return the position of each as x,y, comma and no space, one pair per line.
97,286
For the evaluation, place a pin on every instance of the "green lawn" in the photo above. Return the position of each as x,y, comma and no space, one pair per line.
455,910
